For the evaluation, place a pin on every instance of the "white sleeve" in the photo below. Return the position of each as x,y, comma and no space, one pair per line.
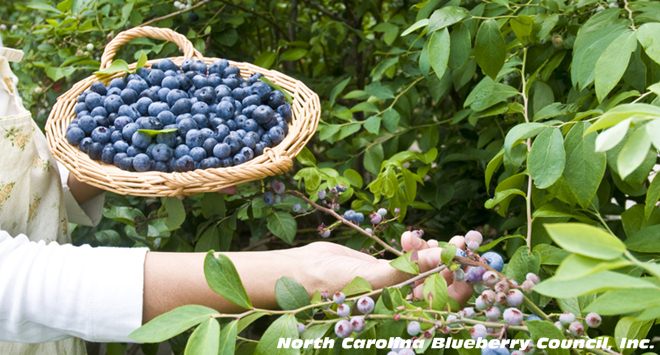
51,291
86,214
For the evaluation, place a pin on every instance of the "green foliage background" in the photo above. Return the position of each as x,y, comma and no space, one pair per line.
427,107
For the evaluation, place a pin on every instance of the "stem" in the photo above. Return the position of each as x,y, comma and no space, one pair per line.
528,197
175,13
534,308
630,15
347,222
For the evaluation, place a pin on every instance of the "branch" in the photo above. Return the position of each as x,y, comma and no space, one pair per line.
528,197
175,13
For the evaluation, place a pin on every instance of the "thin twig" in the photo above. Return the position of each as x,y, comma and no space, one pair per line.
630,15
347,222
175,13
528,197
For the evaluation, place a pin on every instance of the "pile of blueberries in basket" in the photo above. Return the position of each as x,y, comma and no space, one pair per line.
170,118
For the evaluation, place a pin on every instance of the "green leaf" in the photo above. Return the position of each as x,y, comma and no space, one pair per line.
653,131
586,240
520,132
435,292
117,66
543,329
629,328
155,132
316,331
645,240
142,60
492,167
585,167
293,54
647,35
547,159
613,63
372,124
522,27
487,94
176,213
405,264
594,283
612,136
391,119
283,327
373,157
282,225
652,196
265,59
172,323
415,26
521,263
289,294
624,301
490,48
245,322
205,339
446,16
223,278
633,152
625,111
357,286
228,336
439,47
447,254
576,266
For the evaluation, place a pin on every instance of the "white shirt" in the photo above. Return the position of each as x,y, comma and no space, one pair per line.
51,292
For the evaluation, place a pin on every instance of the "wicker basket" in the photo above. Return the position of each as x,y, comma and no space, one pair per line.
274,161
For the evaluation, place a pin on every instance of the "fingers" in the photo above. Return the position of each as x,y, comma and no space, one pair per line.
411,241
460,291
458,241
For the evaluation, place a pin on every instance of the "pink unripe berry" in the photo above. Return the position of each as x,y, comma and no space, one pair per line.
576,328
369,231
514,298
343,328
493,313
480,303
396,317
472,245
357,323
489,296
566,318
397,211
413,328
593,320
512,316
321,194
343,310
375,218
527,285
475,236
501,286
490,278
301,328
339,297
500,298
278,186
467,312
478,331
452,318
325,233
532,277
365,305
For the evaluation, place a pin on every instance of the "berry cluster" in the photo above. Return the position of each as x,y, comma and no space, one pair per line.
568,322
274,196
346,325
170,118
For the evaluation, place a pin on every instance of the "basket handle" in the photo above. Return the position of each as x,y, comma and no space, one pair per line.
149,32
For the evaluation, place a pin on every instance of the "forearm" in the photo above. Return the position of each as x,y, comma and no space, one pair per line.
81,191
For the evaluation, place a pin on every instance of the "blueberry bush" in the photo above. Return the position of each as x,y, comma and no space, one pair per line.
534,125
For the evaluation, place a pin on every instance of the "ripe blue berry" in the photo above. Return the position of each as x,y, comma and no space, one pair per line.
101,135
74,135
338,297
269,198
343,310
343,328
365,304
185,163
108,154
161,152
142,162
413,328
474,274
140,140
493,260
198,153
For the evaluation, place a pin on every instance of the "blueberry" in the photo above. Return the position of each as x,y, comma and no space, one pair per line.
234,143
199,107
239,93
99,111
198,154
218,66
276,98
169,139
209,144
128,111
227,162
259,148
239,159
181,106
194,138
222,150
114,91
493,260
222,131
74,135
285,111
81,106
263,114
166,117
101,135
225,110
593,320
155,77
142,162
140,140
143,72
143,105
260,88
185,65
145,122
276,135
365,304
128,130
185,125
166,64
94,151
231,82
247,110
81,97
102,121
162,94
170,82
181,150
87,124
151,93
240,121
128,96
198,66
514,298
108,154
120,146
251,100
222,91
157,107
250,140
265,139
201,120
174,95
230,70
200,81
85,143
214,80
115,135
343,310
98,88
125,163
185,83
247,153
132,151
250,125
82,113
161,152
205,94
137,85
185,163
93,100
117,83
